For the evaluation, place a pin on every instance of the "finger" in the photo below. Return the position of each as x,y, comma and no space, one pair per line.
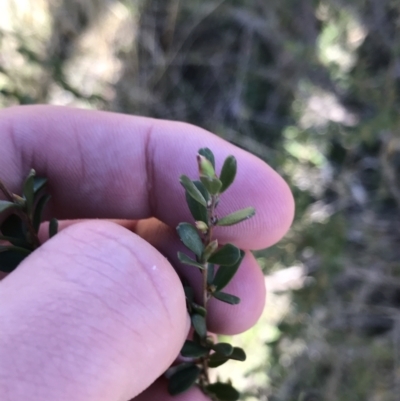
247,284
110,165
159,391
95,314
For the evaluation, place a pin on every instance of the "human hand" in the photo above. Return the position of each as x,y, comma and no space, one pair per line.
97,313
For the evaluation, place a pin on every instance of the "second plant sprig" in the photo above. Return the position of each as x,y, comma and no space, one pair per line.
203,197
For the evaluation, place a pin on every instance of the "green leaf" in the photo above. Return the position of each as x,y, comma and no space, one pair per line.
9,261
228,172
11,257
6,248
199,309
53,227
37,215
199,185
225,273
224,349
212,185
223,391
188,293
13,241
216,360
210,273
192,190
38,184
189,261
183,379
238,354
206,169
227,298
8,206
201,226
28,191
209,250
199,324
237,217
193,350
198,211
13,227
206,152
190,237
228,255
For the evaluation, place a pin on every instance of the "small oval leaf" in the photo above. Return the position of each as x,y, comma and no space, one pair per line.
28,190
13,227
183,379
227,298
38,184
12,240
224,349
223,391
216,360
236,217
228,255
11,257
199,324
199,185
199,309
189,261
189,294
201,226
206,168
212,185
210,249
192,190
190,237
228,172
208,154
193,350
37,214
238,354
8,206
225,273
198,211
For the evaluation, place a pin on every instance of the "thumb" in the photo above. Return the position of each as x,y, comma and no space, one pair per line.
95,314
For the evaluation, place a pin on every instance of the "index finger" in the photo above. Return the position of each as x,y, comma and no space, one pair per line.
109,165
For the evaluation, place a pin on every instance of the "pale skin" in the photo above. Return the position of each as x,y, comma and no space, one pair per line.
97,313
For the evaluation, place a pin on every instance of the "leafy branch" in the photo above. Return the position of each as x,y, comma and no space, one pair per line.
203,197
20,218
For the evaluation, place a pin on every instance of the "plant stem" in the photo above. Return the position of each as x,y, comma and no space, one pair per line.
206,241
32,233
205,380
205,285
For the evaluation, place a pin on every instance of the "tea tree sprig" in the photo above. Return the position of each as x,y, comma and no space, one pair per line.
20,218
203,197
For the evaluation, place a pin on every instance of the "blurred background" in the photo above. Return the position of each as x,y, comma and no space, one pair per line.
311,87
